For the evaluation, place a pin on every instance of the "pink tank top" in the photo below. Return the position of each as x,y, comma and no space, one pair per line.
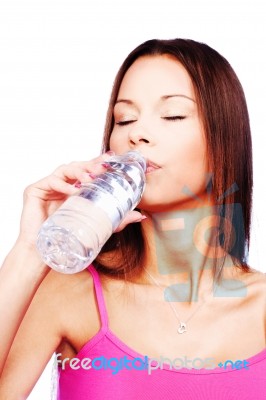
106,368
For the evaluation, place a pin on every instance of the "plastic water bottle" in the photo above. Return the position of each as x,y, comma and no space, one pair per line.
71,238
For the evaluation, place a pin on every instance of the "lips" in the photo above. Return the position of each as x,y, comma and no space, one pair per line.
151,166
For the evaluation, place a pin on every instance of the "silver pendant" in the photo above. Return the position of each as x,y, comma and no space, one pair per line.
182,327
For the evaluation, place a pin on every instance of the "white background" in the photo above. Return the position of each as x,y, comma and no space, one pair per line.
58,62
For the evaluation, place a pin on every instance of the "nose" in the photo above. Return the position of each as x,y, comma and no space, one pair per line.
139,136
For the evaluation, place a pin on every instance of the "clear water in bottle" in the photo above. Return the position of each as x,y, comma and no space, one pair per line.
71,238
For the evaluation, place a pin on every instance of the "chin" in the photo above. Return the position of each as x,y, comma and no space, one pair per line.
153,206
156,207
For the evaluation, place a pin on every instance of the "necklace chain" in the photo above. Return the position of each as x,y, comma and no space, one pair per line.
182,324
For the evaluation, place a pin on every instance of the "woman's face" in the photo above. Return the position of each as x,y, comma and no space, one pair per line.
156,113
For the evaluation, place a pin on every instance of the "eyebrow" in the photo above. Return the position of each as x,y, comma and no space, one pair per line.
166,97
177,95
124,101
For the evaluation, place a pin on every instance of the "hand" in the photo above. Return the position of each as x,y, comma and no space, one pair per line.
42,198
131,217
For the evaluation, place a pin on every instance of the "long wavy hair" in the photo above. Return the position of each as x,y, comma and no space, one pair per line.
223,109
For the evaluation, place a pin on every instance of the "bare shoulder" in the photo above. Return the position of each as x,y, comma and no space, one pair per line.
60,308
252,302
64,284
256,280
256,284
67,294
250,290
259,285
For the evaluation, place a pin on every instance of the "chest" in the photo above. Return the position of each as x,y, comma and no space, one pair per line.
227,328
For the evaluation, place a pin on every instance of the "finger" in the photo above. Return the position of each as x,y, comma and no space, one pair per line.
131,217
102,157
53,185
98,165
62,179
73,172
83,171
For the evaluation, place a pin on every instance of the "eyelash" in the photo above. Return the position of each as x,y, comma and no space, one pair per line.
123,123
174,118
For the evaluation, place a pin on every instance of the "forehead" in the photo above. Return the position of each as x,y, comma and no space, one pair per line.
156,76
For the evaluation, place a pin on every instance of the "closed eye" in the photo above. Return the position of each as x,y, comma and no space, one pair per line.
174,118
122,123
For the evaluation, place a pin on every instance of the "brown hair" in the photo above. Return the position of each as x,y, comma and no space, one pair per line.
223,108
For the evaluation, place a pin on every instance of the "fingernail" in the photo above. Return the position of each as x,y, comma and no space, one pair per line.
105,165
141,218
77,184
87,175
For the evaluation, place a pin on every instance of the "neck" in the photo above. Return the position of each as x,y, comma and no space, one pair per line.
179,253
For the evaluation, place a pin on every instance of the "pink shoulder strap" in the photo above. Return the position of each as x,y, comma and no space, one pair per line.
99,296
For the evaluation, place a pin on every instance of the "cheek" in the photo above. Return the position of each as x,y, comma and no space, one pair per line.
117,143
188,168
189,152
111,141
193,166
195,156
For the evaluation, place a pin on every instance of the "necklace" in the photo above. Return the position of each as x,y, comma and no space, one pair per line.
182,327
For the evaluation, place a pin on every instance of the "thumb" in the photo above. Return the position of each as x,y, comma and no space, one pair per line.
131,217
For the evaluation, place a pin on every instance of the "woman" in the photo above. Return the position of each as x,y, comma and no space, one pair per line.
169,299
